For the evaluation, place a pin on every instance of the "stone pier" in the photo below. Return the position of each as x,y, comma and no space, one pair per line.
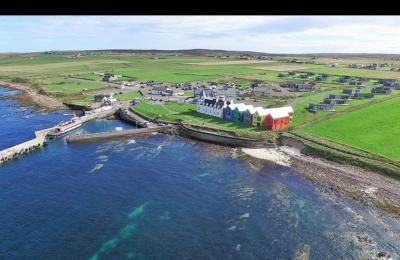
116,134
40,139
25,147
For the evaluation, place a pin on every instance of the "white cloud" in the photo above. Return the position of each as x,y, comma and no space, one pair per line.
280,34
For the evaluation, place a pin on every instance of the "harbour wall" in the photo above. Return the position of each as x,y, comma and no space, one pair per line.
222,139
118,134
25,147
131,117
40,138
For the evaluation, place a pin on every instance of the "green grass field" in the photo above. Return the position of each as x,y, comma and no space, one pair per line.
375,129
171,111
67,85
128,95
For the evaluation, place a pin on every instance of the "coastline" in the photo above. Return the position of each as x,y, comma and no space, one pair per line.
362,185
330,177
31,97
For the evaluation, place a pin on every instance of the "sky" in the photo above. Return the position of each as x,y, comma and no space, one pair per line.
271,34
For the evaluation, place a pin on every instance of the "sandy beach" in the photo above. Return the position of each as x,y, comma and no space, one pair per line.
276,155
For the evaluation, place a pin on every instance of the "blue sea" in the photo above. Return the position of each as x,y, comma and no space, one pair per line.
165,197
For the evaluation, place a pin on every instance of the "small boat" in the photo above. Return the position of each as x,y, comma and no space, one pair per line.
65,127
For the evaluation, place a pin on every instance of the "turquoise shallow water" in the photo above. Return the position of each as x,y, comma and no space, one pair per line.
165,197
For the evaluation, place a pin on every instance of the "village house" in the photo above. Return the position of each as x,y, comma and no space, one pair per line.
272,118
229,85
100,97
348,91
242,92
359,95
370,66
126,84
264,57
333,65
388,82
344,79
335,101
261,91
212,106
356,83
108,77
238,112
229,93
299,86
259,117
381,90
107,99
161,90
320,107
228,111
276,119
208,90
187,87
333,96
248,115
151,83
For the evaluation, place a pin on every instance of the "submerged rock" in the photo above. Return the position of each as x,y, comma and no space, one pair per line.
364,239
302,253
383,254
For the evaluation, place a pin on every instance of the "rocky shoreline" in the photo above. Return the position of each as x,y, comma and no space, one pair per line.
31,97
330,177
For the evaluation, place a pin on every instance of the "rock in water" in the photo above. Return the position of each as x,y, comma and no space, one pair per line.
302,253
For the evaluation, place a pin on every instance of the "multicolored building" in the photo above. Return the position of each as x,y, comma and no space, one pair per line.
270,118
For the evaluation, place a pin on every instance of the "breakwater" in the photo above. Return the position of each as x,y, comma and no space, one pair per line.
133,118
116,134
40,138
25,147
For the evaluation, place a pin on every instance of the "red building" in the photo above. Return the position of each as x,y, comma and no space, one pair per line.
276,120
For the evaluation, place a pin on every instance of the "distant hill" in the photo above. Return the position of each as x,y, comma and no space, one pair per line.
208,52
197,52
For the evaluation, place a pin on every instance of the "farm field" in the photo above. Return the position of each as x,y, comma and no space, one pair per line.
373,74
164,68
341,71
284,67
231,62
70,85
374,129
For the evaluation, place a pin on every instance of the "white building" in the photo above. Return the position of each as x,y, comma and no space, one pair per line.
161,90
211,106
208,90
